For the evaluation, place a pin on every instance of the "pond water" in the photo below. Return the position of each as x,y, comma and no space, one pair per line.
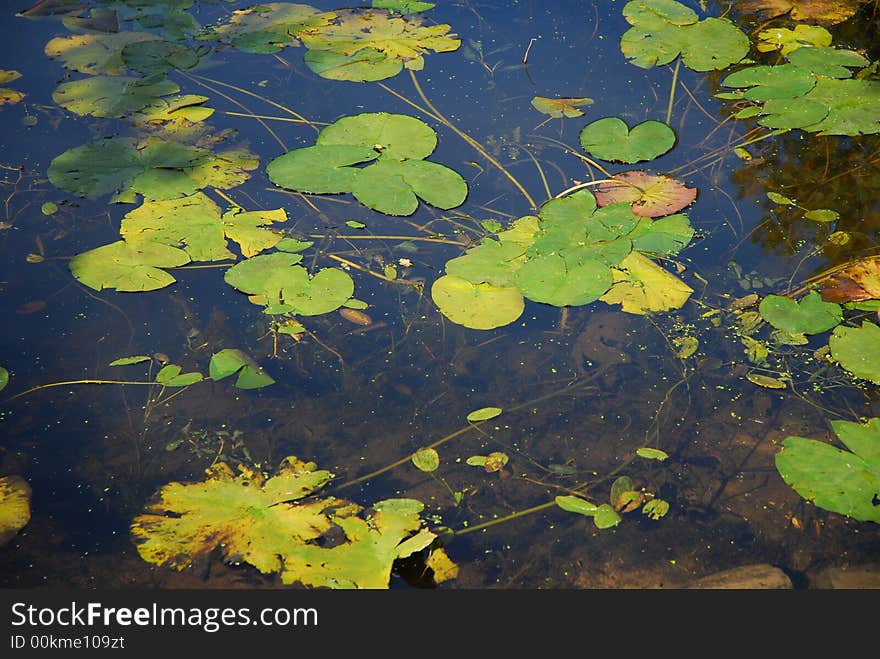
581,386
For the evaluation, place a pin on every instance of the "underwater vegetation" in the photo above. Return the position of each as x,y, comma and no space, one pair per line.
617,242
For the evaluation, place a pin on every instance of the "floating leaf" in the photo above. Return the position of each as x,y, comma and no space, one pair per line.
777,198
267,523
9,96
127,266
230,360
194,223
843,482
573,504
15,506
155,58
171,376
771,82
785,40
477,306
661,31
611,139
561,107
378,42
854,283
641,286
606,517
4,378
157,169
822,215
825,12
126,361
176,111
426,459
403,6
441,565
495,461
857,349
484,414
95,53
49,208
651,453
687,346
809,316
392,184
549,279
286,287
828,61
494,262
650,195
269,27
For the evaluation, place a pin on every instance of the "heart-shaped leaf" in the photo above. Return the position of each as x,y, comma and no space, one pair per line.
611,139
809,316
650,195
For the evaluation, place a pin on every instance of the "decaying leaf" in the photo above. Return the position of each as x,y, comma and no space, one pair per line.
560,107
269,522
641,286
824,12
650,195
15,506
854,283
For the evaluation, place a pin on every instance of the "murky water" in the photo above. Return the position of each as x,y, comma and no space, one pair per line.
581,388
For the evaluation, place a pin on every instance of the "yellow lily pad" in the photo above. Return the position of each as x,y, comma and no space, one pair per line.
15,506
641,286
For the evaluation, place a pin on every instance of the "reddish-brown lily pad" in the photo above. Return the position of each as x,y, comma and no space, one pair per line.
650,195
824,12
855,283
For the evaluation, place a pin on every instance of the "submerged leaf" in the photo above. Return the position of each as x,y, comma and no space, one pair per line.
230,361
484,414
560,107
809,316
4,378
15,506
426,459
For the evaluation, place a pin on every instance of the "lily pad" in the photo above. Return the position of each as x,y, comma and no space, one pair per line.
15,507
110,96
560,107
484,414
611,139
9,96
854,283
158,57
426,459
824,12
393,184
550,280
641,287
650,195
857,349
4,378
844,482
287,288
155,168
493,262
403,6
230,361
379,42
663,236
661,31
477,306
128,266
95,53
194,223
786,40
170,375
267,28
809,316
270,524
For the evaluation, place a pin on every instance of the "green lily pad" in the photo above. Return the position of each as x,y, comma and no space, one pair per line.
230,361
154,57
828,61
491,262
663,236
270,524
572,504
170,376
477,306
4,378
128,266
484,414
550,280
851,106
788,113
403,6
15,507
843,482
857,349
661,31
106,96
176,110
285,287
611,139
809,316
392,184
194,223
768,82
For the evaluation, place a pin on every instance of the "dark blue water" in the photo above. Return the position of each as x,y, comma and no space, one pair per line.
581,389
